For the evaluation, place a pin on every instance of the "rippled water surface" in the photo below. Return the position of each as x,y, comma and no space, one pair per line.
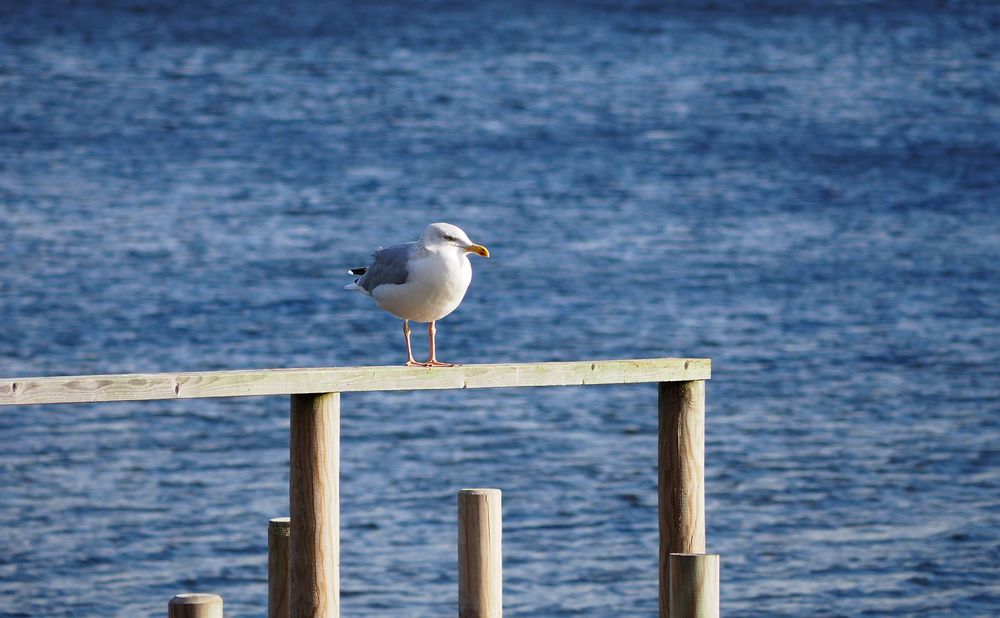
805,192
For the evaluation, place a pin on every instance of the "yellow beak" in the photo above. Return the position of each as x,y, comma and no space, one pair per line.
478,250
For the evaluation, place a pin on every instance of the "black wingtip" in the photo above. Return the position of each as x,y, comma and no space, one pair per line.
358,271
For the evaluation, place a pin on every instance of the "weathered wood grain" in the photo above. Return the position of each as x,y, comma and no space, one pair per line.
278,531
192,385
314,494
681,476
480,562
694,586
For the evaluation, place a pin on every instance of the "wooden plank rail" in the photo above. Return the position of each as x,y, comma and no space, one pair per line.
313,548
193,385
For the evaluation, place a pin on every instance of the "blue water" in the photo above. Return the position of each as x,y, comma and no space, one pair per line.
806,192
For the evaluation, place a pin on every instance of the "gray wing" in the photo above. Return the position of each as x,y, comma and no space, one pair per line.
388,265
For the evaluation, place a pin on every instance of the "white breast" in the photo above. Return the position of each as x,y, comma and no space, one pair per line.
435,287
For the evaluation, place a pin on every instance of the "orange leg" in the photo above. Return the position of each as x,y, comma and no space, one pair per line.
433,361
409,350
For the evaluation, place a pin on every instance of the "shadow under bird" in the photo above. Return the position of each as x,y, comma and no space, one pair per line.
422,281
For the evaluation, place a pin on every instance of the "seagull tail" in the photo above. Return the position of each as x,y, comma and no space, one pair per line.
357,272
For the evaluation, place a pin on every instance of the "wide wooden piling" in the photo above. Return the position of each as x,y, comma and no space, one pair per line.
195,605
694,586
278,532
681,476
480,560
314,492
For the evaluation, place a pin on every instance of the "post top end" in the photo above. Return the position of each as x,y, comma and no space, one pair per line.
280,526
479,491
195,598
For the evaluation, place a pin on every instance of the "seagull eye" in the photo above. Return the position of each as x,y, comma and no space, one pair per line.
449,238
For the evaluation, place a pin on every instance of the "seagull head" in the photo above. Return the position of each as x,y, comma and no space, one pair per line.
445,236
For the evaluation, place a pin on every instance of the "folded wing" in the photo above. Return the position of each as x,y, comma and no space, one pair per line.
389,265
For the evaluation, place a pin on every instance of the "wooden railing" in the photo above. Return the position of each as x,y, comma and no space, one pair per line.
314,491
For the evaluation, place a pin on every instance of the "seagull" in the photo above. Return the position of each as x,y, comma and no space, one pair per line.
422,281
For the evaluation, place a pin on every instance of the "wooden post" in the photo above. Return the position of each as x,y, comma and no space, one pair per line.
681,476
480,562
195,605
278,531
694,585
314,492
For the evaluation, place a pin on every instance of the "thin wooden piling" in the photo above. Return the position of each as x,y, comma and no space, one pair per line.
681,476
195,605
278,532
694,585
480,560
314,492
